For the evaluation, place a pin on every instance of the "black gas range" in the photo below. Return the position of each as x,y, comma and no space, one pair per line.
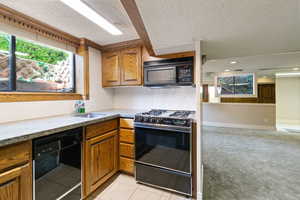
163,149
170,119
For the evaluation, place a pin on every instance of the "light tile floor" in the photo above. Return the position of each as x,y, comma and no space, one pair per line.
124,187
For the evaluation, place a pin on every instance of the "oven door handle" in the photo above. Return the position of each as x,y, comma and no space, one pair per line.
163,127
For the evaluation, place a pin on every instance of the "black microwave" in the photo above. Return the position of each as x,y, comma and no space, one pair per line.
169,72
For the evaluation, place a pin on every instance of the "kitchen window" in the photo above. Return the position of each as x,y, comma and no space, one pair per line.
4,57
27,66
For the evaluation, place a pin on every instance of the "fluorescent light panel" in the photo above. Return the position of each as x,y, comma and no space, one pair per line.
89,13
287,74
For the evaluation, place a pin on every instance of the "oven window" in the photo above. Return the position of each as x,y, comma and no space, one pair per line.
167,149
161,75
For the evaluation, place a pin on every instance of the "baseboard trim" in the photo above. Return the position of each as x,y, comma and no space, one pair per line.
288,122
232,125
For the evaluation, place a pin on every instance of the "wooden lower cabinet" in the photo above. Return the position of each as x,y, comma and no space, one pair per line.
108,147
127,150
127,165
16,172
126,146
101,154
126,123
16,184
127,135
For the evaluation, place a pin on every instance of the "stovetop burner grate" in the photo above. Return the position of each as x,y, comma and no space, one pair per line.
155,112
180,118
181,114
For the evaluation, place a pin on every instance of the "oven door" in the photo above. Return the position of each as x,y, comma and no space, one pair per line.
158,76
168,149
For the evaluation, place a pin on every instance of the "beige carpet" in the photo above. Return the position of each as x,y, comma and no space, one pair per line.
251,165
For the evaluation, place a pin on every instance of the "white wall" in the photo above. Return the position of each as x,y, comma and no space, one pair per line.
99,99
147,98
240,115
288,100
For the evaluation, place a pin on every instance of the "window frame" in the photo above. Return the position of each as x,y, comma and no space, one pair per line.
12,95
254,85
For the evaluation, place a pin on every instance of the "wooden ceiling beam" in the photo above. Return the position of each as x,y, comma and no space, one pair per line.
137,21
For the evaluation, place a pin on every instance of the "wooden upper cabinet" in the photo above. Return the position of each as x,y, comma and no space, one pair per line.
131,70
122,68
111,69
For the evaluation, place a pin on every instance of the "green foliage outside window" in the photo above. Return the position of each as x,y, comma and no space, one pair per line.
38,67
4,42
34,51
40,53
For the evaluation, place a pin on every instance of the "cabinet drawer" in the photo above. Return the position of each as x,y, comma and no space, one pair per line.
101,128
126,123
127,135
16,183
15,154
127,150
126,165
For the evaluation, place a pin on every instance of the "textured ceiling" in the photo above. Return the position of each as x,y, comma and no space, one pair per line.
255,63
57,14
229,28
262,65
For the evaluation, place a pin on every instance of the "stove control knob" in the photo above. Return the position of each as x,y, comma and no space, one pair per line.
138,119
158,120
145,119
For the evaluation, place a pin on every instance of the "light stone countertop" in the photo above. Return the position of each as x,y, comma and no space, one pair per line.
14,132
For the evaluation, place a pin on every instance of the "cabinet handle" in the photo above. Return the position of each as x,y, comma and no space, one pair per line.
12,174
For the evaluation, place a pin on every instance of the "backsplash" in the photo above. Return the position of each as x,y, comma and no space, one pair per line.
182,98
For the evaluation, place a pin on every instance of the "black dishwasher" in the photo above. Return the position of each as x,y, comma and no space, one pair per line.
57,166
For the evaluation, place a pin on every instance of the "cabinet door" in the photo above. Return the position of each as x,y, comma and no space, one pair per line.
102,158
131,70
110,69
205,95
101,154
16,184
266,93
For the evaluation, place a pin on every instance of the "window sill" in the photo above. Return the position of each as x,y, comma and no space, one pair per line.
37,96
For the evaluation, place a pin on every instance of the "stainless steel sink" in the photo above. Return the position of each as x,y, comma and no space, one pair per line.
90,115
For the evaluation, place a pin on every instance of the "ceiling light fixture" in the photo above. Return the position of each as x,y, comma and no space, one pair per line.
296,68
287,74
233,62
227,70
89,13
